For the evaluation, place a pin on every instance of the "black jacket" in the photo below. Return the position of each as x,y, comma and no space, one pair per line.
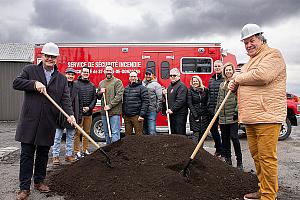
135,100
197,102
213,88
38,117
87,94
177,98
76,105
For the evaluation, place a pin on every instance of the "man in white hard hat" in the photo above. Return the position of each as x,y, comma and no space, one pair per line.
36,127
261,90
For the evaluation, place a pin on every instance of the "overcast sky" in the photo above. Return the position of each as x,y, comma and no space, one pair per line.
39,21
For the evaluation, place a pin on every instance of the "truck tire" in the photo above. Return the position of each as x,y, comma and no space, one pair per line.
286,130
97,132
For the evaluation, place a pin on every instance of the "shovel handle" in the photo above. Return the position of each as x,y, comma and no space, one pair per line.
168,115
107,117
209,126
75,124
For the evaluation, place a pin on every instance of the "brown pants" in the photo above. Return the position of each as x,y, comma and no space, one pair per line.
262,141
132,122
86,125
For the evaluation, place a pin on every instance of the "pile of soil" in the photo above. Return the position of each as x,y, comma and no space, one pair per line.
149,167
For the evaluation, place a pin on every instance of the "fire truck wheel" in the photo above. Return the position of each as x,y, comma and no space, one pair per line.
286,130
97,132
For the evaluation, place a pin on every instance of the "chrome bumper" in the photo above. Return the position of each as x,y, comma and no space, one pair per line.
298,119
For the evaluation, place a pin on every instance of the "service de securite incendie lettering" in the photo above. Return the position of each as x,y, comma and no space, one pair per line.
104,64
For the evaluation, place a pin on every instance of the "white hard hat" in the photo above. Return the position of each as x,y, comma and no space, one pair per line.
250,29
50,49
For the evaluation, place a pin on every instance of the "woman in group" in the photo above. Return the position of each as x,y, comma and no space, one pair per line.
228,118
197,102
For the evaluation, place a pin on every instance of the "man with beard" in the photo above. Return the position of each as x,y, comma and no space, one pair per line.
36,127
135,105
113,90
177,101
155,97
87,93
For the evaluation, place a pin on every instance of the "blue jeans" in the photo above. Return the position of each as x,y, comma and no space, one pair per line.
69,142
115,126
149,127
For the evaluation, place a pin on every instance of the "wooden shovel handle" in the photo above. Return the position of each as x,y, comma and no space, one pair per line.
107,117
168,115
75,124
209,126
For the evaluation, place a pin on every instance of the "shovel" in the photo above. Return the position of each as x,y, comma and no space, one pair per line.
185,170
107,118
80,129
168,115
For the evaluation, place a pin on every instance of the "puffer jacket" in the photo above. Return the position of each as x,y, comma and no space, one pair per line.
197,102
229,112
213,88
262,88
135,100
155,95
114,94
87,94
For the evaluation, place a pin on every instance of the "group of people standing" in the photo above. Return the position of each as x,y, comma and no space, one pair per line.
203,103
257,100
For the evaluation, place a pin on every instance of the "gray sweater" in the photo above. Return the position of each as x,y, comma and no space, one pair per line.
155,95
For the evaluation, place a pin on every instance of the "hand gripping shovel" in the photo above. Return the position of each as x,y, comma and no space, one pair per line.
80,129
168,115
107,119
185,170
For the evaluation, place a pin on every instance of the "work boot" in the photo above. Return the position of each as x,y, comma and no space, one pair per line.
252,196
42,187
228,161
70,159
55,161
23,195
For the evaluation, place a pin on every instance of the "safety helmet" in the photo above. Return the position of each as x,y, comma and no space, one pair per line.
50,49
250,29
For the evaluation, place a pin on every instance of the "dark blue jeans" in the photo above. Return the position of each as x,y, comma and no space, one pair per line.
115,126
27,161
149,126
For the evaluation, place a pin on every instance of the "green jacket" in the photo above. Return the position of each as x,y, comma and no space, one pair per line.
229,112
114,90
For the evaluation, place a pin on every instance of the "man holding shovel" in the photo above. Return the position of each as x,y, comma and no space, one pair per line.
261,90
36,127
112,89
177,103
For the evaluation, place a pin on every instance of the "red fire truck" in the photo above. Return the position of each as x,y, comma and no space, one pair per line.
190,58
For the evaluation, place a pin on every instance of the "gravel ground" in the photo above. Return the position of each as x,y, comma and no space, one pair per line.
288,156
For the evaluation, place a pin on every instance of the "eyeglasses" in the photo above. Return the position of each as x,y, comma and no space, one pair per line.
217,66
50,56
173,75
132,76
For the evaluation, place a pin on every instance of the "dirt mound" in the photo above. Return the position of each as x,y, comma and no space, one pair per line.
148,167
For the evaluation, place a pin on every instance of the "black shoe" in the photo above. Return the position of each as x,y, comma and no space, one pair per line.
228,161
240,166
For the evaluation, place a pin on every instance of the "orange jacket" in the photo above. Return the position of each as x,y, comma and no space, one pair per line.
262,88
